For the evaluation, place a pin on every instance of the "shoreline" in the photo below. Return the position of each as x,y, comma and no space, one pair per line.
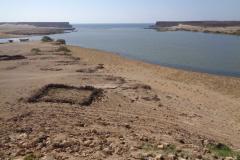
176,67
204,78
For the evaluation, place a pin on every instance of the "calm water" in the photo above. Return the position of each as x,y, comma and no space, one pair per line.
211,53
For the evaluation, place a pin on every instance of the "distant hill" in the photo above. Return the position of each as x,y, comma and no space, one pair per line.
18,29
199,23
61,25
219,27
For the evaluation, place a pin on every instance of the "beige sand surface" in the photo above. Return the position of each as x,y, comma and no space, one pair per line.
145,110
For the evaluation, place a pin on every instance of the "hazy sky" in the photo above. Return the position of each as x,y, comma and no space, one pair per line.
118,11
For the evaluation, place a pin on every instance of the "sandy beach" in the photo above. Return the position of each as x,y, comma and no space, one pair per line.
131,110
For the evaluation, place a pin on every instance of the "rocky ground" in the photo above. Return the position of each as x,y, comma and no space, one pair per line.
88,104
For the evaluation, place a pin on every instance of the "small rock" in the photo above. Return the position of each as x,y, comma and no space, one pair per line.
159,157
42,137
136,155
161,146
108,151
147,156
81,124
171,157
180,158
205,142
87,143
229,158
119,150
133,148
27,130
20,158
144,138
181,141
121,139
206,150
99,154
48,157
22,136
127,126
94,131
199,156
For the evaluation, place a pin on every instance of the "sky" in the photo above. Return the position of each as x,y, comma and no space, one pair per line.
118,11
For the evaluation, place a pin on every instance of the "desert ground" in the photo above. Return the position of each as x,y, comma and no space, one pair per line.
88,104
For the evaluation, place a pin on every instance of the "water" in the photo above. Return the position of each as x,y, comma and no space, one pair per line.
211,53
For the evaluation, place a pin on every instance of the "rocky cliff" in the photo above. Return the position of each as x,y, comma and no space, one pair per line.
62,25
220,27
198,23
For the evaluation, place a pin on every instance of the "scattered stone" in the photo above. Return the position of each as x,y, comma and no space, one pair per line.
205,142
181,141
108,151
87,143
159,157
161,146
229,158
171,157
180,158
26,130
48,157
126,125
42,137
99,154
100,66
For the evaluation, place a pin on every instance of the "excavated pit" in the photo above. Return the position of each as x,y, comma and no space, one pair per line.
59,93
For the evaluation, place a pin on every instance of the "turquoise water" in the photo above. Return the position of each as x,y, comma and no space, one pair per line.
211,53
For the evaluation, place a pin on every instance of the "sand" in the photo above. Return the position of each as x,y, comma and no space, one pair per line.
144,110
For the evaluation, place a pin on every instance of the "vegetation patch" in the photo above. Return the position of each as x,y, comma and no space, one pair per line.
222,150
147,147
153,149
30,157
8,58
35,50
60,93
171,148
46,39
60,41
63,49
